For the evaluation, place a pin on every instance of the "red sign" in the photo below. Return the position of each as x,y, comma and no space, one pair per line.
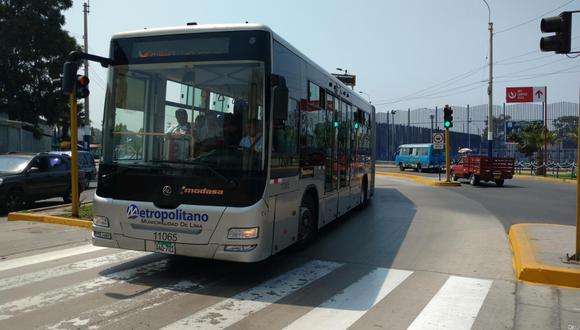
519,94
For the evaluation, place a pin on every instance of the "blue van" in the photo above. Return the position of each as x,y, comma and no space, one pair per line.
419,157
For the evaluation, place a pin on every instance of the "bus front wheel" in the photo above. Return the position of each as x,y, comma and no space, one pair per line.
308,221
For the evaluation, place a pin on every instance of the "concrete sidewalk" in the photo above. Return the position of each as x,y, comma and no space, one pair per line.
538,253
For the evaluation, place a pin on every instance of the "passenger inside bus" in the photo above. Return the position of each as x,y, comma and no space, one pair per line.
183,126
179,137
252,139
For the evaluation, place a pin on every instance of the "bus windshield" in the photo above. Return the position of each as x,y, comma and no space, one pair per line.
186,113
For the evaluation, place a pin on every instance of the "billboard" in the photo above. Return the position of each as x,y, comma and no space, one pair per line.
516,127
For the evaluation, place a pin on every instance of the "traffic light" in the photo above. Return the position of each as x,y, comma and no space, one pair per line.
447,117
82,87
562,40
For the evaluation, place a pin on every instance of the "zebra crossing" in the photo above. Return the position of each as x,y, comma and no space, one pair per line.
94,288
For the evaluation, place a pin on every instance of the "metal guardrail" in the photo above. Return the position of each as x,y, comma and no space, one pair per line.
565,169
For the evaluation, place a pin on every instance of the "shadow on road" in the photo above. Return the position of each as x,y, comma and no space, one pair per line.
364,239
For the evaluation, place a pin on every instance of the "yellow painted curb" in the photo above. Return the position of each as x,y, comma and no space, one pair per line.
16,216
529,269
421,180
541,178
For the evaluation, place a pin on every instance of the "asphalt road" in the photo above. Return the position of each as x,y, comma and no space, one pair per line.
519,200
406,261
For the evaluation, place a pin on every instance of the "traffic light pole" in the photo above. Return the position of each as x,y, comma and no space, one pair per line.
74,155
447,160
69,82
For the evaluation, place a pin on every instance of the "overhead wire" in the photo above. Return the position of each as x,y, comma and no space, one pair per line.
533,19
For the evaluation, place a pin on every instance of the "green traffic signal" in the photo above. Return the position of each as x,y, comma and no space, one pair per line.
447,116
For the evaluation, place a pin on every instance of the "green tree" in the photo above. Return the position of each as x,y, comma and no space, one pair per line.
498,128
32,50
566,128
531,140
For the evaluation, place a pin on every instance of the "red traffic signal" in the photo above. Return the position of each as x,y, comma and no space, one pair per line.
82,87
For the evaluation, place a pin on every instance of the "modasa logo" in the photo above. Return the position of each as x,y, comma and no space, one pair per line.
134,212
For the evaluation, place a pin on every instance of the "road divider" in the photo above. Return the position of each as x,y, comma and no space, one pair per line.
538,253
21,216
420,179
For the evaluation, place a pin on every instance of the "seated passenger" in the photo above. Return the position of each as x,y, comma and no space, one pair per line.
252,139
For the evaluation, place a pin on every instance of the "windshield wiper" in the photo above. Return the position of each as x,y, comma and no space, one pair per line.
107,177
227,180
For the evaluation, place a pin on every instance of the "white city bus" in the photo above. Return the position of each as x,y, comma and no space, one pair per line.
225,142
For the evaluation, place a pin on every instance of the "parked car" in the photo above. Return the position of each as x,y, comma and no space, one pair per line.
86,163
483,168
419,157
25,178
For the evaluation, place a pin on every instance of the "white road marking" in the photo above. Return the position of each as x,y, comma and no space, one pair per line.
345,308
48,256
28,304
45,274
108,315
240,306
455,306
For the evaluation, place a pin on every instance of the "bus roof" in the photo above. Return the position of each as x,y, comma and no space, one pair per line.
184,29
416,145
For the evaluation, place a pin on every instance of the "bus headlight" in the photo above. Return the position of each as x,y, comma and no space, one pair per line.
243,233
100,221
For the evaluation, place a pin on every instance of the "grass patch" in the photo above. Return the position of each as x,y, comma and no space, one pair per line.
85,212
561,175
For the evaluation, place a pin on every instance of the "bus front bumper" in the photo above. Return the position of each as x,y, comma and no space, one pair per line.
249,252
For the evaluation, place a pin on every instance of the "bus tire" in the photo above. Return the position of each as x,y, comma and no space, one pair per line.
307,221
419,169
401,168
499,182
364,194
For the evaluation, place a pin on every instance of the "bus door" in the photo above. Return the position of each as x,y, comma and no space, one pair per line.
331,160
343,150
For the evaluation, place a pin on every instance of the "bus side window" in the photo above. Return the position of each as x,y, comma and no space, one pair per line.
285,143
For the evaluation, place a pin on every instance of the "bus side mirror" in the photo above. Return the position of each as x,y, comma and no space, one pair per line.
280,96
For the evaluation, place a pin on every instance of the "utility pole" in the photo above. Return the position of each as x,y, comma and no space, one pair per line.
468,133
86,65
490,87
393,112
436,121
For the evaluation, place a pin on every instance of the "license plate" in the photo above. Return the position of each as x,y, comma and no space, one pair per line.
165,247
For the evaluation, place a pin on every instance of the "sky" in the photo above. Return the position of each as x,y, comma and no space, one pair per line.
405,54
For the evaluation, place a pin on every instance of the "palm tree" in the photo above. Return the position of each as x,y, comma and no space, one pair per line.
530,140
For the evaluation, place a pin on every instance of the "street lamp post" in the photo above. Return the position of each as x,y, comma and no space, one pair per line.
490,86
368,96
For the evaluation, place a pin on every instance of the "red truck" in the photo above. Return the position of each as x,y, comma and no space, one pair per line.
483,168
